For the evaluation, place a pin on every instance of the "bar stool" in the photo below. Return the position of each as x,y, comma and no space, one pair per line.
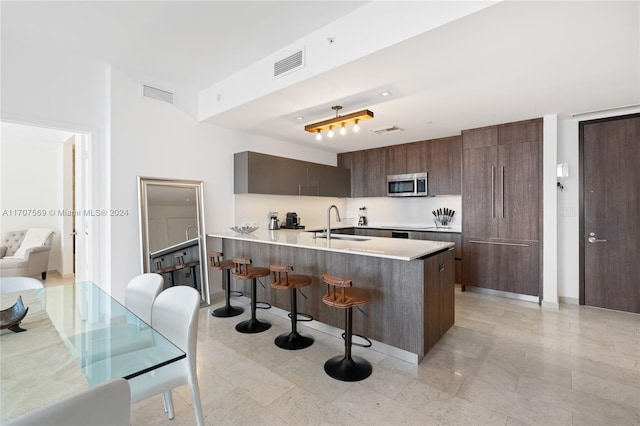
217,264
340,294
180,264
164,270
243,271
282,280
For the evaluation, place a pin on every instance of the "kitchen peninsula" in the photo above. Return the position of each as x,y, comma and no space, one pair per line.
411,281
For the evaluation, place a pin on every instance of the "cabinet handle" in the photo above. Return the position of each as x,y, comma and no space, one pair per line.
499,244
441,267
493,190
502,192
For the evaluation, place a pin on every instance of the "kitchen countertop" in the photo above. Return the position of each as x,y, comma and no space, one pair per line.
391,248
175,247
420,228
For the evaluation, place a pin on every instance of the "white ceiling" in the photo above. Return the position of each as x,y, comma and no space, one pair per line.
511,61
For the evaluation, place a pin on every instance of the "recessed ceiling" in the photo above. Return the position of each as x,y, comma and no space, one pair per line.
192,42
511,61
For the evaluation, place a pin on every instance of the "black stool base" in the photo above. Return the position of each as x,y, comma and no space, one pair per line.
252,326
227,311
293,341
348,369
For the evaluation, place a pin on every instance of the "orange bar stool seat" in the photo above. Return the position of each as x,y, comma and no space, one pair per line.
243,271
284,280
342,295
216,263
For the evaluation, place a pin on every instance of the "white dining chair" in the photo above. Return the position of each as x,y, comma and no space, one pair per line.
140,294
108,404
175,316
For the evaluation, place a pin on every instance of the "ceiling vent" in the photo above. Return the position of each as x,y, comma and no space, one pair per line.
289,64
387,130
158,94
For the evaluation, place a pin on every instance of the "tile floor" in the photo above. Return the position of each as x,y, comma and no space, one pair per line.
504,362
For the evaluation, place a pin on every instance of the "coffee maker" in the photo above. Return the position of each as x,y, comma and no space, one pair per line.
273,221
292,221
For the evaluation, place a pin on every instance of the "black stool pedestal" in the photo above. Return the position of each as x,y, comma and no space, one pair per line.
283,279
252,325
346,367
227,310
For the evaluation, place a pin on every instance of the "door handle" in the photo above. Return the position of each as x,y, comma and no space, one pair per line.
593,240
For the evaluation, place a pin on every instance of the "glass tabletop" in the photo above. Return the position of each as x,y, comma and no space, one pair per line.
106,339
76,336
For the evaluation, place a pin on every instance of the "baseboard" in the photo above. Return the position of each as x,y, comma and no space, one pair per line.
569,300
499,293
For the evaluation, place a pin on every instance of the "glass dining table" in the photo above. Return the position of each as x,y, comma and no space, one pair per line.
76,336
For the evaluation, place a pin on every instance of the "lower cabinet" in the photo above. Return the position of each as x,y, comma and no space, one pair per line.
439,310
367,232
504,265
454,238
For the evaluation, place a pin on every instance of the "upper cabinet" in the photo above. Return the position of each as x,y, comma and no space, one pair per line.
256,173
502,174
440,158
368,171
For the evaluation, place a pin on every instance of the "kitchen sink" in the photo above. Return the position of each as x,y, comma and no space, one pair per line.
344,237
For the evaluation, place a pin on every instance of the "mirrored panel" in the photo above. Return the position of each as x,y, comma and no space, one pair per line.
171,224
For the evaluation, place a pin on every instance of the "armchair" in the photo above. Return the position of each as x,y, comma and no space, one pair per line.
25,253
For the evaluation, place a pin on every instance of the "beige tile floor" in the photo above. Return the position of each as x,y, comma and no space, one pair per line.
504,362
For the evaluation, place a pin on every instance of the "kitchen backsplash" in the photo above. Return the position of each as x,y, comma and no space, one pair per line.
312,211
381,211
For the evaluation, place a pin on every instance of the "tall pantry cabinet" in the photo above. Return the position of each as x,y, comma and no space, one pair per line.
502,206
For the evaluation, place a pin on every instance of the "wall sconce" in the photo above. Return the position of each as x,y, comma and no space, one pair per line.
562,172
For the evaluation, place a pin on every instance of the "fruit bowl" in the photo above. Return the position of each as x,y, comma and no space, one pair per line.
244,229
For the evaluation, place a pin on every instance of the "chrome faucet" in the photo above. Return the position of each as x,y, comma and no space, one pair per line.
333,206
186,232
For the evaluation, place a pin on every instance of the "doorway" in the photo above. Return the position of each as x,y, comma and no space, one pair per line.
55,187
610,213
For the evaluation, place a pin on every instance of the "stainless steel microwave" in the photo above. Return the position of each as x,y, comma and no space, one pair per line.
407,185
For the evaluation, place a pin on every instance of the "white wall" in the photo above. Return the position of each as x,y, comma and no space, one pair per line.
153,139
30,189
64,93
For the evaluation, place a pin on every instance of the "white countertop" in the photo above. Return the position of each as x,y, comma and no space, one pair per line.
422,228
391,248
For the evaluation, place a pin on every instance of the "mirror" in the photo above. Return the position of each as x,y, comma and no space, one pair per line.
171,224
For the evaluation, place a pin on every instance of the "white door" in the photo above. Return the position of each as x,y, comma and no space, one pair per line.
84,218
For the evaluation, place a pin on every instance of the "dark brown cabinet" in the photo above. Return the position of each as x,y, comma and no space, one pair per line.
454,238
501,200
439,309
444,165
256,173
441,158
368,171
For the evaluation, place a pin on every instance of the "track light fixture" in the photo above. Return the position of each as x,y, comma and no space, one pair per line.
340,122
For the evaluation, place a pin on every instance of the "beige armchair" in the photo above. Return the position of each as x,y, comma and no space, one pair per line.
25,253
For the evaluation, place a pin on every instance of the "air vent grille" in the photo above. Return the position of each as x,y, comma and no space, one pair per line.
158,94
387,130
290,63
